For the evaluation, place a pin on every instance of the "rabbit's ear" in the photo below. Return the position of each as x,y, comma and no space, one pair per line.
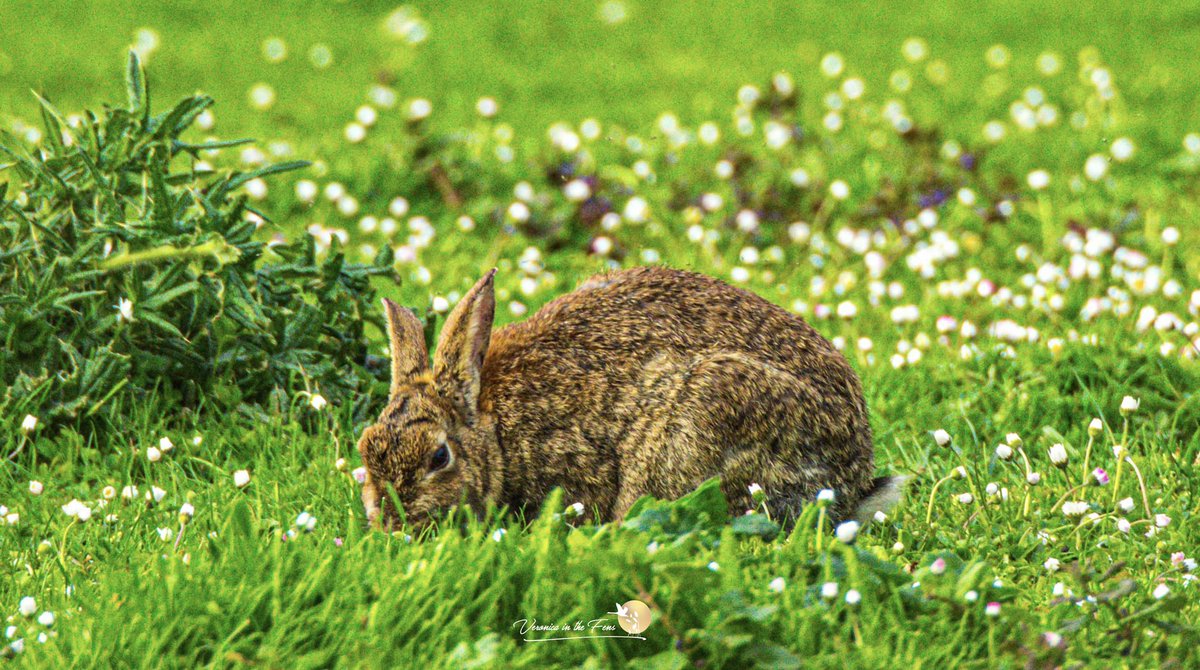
458,361
406,339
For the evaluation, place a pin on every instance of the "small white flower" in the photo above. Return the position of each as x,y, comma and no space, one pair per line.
829,590
27,606
129,492
499,534
165,534
17,646
1052,564
1013,440
574,510
1161,591
35,488
72,508
1123,525
971,596
241,478
187,510
29,423
714,566
198,440
825,496
124,309
1038,179
938,566
880,517
1058,455
992,609
1004,452
966,498
1162,520
847,532
777,585
941,437
1034,478
46,618
153,454
318,402
1095,427
359,474
853,597
83,513
165,444
1126,505
1075,508
487,107
1129,405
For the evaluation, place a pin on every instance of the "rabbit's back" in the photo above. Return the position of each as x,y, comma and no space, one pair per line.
570,383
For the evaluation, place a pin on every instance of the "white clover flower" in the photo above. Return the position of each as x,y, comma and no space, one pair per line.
241,478
317,402
941,437
35,488
153,454
777,585
29,423
829,590
847,532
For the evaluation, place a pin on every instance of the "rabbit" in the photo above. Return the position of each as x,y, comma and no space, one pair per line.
643,381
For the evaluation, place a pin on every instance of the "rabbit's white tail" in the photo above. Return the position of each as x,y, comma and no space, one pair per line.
884,494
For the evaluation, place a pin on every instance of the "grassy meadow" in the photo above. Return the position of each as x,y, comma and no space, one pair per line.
991,211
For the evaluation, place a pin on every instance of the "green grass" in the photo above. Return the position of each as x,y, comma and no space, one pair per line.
232,586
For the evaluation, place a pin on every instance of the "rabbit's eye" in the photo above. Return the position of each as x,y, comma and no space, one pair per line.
440,459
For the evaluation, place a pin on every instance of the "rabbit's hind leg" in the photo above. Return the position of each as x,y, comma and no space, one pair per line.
729,414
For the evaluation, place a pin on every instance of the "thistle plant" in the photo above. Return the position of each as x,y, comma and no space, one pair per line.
130,267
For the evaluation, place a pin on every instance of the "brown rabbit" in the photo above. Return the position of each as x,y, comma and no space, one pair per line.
645,381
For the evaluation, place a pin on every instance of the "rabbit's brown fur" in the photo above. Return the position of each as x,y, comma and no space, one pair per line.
645,381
